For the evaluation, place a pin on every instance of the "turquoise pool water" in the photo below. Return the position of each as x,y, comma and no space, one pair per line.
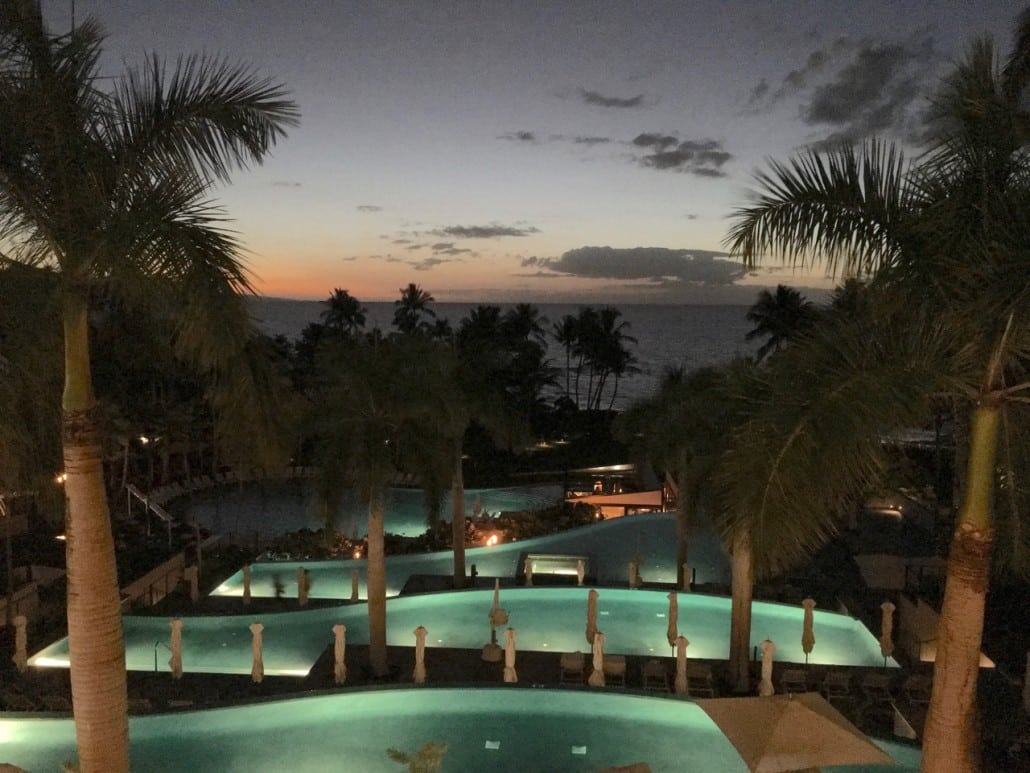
513,729
275,507
547,620
610,545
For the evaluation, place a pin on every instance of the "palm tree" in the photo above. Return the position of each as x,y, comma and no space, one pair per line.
412,312
779,318
110,189
564,332
344,313
947,241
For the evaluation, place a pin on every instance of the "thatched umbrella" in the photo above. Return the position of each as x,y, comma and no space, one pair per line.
509,657
887,630
597,674
681,665
419,674
672,631
591,615
175,661
339,648
765,687
807,629
257,667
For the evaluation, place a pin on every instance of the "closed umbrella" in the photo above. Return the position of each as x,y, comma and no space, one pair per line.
246,583
681,665
354,584
496,603
597,674
339,648
509,657
21,653
791,732
672,632
257,668
887,630
175,661
528,567
808,628
581,571
765,687
634,574
302,586
498,616
419,674
591,615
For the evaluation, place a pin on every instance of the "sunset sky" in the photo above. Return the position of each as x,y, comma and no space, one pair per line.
542,151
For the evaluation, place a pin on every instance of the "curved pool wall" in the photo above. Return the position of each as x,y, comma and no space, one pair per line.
275,507
496,729
611,545
546,620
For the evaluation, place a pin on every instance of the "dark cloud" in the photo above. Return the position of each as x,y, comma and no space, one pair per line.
595,98
414,246
401,241
651,264
759,92
285,184
590,141
369,208
690,216
428,263
519,136
448,248
704,158
484,231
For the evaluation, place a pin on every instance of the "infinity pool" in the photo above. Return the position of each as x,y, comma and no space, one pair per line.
609,545
273,508
546,619
513,729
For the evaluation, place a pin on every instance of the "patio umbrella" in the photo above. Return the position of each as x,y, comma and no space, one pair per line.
175,661
509,657
597,675
477,506
246,583
354,584
257,668
302,586
634,574
492,652
339,648
21,654
681,665
887,630
765,687
528,567
807,630
591,615
672,632
419,674
791,732
581,571
496,604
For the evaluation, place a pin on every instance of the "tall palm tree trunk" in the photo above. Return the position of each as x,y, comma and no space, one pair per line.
458,518
949,737
376,582
742,581
95,643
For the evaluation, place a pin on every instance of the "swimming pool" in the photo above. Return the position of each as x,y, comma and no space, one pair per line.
496,729
270,508
610,545
547,619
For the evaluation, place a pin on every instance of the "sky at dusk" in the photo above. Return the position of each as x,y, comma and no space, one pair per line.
542,151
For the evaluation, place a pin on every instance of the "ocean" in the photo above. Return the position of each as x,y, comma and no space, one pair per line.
667,336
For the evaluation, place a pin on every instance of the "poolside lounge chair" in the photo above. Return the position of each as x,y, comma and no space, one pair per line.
573,667
837,686
700,683
615,670
794,680
655,676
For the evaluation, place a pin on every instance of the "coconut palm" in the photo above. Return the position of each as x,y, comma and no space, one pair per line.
344,313
946,245
109,189
412,312
778,318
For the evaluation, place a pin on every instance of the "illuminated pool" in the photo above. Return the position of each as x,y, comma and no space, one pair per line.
611,545
273,508
546,619
492,729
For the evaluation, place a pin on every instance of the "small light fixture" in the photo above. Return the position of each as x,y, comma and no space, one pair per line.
60,478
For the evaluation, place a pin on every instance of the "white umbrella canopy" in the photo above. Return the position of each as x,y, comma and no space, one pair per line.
597,674
591,615
257,666
419,674
672,631
887,629
339,649
791,732
528,568
808,627
581,571
681,665
509,657
175,661
765,687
